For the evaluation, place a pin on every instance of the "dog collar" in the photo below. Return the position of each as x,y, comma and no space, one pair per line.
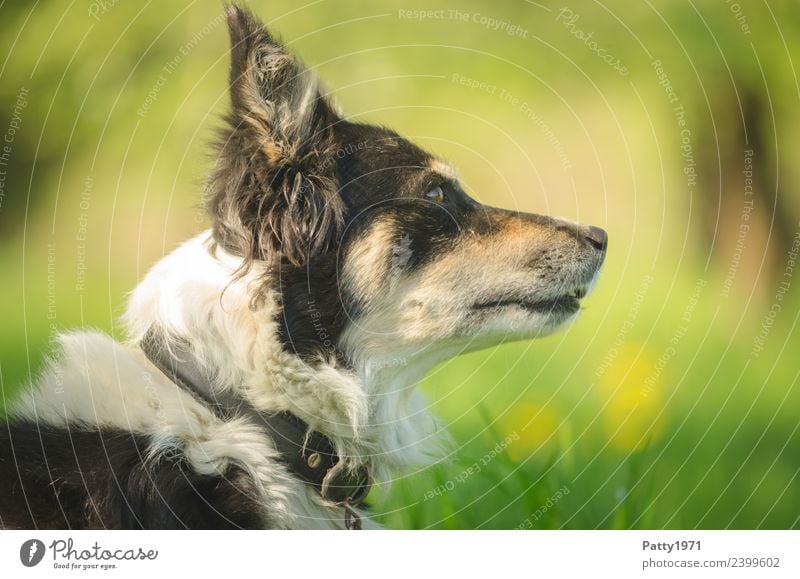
310,455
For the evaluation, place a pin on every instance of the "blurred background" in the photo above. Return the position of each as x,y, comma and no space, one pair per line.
673,402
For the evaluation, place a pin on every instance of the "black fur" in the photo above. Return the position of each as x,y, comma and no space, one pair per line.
381,176
294,190
294,185
81,478
272,192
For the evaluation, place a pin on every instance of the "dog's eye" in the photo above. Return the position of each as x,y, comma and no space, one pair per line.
436,195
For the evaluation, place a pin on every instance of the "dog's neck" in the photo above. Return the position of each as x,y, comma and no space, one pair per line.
371,408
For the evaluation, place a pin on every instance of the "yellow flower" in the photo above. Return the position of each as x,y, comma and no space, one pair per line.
530,429
631,385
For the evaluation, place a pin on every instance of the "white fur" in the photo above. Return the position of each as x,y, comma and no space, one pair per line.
372,413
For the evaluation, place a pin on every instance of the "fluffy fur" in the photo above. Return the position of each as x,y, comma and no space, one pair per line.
342,264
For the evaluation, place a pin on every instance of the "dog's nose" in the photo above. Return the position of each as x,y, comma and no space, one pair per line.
596,237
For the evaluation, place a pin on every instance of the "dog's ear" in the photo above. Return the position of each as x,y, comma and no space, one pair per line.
273,193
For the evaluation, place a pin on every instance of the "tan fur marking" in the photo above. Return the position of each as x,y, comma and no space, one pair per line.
367,263
443,169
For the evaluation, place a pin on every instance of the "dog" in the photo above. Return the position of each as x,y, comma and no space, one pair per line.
269,377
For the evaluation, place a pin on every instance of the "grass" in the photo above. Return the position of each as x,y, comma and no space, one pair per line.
584,430
714,444
557,433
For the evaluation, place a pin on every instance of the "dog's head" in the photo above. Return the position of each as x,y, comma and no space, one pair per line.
373,243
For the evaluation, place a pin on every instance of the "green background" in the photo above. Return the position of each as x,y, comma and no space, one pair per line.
657,409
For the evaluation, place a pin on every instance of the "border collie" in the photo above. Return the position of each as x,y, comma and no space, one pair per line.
272,360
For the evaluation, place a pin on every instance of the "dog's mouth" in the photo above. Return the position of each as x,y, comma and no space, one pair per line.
564,304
